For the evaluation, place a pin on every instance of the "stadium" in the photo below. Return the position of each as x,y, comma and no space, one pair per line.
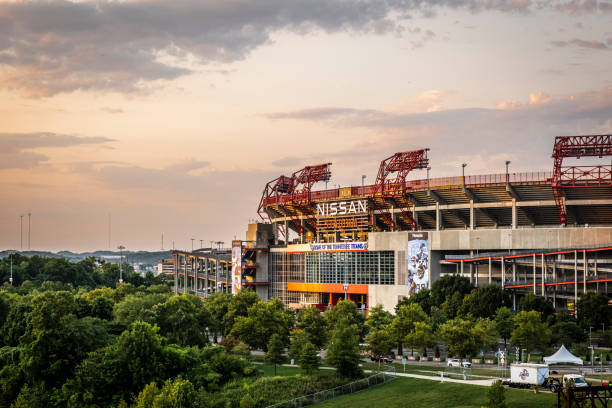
549,233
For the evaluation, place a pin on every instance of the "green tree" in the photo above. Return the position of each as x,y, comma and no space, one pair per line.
378,318
102,308
343,350
262,321
447,286
530,332
346,310
309,360
452,305
16,321
460,337
380,342
484,301
504,323
593,310
184,320
422,297
403,323
238,306
312,322
217,304
298,339
567,333
536,303
496,397
55,340
276,348
420,337
138,307
176,393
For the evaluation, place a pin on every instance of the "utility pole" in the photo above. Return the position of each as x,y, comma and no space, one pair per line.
29,217
120,248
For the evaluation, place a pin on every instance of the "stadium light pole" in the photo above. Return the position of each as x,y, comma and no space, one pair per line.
192,239
507,174
428,168
120,248
363,177
463,166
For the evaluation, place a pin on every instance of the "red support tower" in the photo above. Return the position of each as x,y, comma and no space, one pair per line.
304,179
298,187
391,183
579,176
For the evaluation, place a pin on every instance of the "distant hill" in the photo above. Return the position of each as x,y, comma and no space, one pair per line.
133,257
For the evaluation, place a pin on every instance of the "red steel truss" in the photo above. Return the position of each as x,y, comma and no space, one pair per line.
298,187
577,176
391,183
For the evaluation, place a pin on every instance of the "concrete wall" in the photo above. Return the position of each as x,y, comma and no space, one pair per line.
528,238
386,295
499,239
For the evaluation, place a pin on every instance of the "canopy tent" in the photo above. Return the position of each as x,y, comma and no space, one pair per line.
562,356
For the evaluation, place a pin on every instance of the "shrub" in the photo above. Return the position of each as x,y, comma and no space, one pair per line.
496,395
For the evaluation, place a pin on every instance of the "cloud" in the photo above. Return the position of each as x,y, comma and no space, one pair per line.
520,131
55,46
592,44
15,147
535,98
188,165
112,110
427,101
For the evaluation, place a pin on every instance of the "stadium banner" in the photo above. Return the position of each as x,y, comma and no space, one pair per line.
418,261
345,246
236,266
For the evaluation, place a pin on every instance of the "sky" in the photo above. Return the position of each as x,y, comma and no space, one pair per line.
169,117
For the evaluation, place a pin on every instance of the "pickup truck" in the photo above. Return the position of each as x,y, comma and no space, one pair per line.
534,375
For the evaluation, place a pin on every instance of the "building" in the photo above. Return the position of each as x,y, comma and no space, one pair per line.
546,232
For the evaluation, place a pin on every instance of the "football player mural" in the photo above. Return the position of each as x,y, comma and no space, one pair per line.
418,261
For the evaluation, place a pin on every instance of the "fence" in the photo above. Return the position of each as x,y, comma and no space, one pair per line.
355,386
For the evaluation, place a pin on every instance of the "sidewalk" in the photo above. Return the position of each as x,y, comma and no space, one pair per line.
484,383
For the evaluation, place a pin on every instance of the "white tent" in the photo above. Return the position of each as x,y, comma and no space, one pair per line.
562,356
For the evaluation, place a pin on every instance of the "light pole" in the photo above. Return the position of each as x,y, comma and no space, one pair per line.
428,168
507,174
21,227
201,243
120,248
463,166
11,278
363,177
192,239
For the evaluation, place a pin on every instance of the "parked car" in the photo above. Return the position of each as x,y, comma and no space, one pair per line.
381,359
455,362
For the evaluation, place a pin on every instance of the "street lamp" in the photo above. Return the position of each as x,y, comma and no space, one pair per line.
463,166
120,248
507,174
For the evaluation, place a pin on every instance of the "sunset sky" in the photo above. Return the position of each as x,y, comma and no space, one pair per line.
171,116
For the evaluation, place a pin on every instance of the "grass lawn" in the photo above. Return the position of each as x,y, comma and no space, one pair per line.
416,393
281,371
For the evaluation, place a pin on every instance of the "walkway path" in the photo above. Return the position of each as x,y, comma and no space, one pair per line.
484,382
